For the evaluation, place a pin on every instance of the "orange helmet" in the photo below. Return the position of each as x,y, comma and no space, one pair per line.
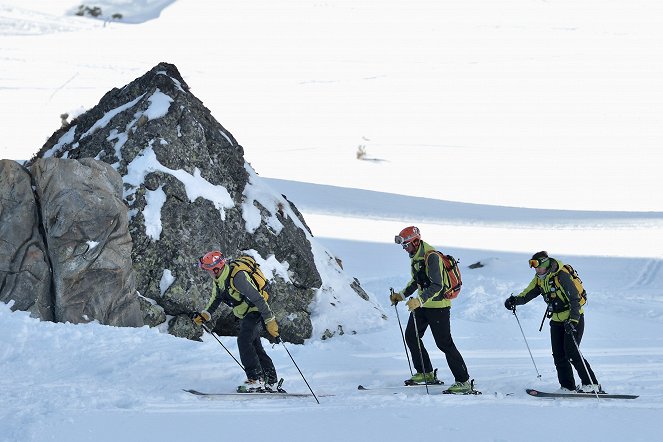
408,235
212,260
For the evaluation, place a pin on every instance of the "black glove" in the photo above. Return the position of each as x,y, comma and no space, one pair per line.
274,339
570,326
510,303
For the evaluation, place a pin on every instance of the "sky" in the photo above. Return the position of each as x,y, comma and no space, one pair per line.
499,128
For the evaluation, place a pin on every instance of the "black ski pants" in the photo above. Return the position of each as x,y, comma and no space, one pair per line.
566,355
438,320
257,364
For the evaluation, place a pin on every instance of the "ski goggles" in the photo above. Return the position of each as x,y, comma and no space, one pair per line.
402,241
534,263
216,263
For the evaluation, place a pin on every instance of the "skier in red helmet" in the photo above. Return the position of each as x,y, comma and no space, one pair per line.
430,308
238,291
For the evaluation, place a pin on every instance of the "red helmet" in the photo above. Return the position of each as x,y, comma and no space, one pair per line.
212,260
408,235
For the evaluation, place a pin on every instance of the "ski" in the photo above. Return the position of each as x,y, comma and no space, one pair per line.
463,394
409,383
252,394
399,387
543,394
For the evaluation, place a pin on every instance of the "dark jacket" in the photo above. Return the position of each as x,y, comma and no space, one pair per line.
558,291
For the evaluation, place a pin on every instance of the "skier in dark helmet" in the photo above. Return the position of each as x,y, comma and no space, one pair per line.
567,320
431,308
239,292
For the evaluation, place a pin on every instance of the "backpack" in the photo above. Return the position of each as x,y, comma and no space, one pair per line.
249,265
582,294
452,281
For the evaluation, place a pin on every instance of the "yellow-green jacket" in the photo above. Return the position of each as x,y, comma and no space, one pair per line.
427,278
239,293
563,300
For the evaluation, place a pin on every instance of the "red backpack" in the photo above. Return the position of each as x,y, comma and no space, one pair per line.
451,276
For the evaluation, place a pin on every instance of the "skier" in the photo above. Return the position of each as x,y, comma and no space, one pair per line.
239,292
567,320
428,308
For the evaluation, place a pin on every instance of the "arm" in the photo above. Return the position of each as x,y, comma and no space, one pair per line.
572,293
530,292
435,276
410,288
213,302
243,283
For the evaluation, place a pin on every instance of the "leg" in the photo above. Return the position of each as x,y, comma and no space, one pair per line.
413,344
440,326
249,331
562,364
268,369
586,376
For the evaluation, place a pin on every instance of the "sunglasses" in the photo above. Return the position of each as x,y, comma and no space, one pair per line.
534,263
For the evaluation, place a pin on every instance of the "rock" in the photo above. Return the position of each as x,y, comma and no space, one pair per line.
189,190
25,275
84,221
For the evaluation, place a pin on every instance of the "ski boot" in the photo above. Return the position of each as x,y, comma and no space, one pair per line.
424,378
466,387
275,387
252,386
591,389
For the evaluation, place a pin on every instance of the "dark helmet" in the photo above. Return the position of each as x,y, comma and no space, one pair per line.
540,259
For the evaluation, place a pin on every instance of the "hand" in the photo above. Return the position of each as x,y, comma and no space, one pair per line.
510,303
570,326
202,317
396,297
272,327
413,303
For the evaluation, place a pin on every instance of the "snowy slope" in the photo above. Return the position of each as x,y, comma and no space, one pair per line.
486,96
78,382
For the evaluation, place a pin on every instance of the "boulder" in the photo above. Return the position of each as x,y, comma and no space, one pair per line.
25,275
189,190
84,221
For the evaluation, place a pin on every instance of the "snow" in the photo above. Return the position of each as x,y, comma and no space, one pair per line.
499,128
155,199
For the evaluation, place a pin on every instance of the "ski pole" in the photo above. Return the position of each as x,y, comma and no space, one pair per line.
407,354
224,347
421,354
300,372
582,359
538,375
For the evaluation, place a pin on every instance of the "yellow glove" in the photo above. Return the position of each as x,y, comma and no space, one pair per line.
413,303
395,298
272,327
200,318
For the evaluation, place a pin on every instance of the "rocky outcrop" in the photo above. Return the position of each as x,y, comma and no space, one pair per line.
86,229
189,190
25,275
67,244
